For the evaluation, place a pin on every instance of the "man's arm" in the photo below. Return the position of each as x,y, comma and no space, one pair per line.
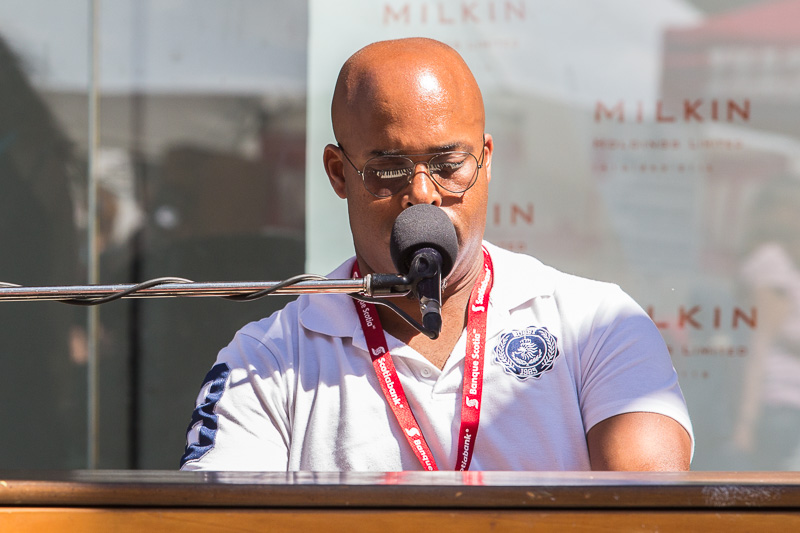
639,442
241,421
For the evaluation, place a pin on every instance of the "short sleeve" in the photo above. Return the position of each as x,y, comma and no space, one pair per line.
626,367
240,421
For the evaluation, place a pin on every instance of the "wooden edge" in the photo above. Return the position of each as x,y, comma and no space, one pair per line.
550,491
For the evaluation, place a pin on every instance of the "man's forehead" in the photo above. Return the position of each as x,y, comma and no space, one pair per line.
393,79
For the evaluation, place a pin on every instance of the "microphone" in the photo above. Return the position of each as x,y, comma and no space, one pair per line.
424,247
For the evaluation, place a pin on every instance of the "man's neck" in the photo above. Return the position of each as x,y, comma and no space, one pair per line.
454,320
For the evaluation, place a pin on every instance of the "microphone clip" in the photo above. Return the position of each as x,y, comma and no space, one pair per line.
425,274
423,281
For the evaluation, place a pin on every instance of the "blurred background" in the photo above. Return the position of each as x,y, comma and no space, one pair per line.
655,145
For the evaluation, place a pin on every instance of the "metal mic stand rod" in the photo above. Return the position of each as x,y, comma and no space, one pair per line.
371,285
371,288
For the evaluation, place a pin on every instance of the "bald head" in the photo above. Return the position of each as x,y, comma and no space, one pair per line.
385,81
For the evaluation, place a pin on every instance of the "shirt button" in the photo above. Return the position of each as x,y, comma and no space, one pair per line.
426,372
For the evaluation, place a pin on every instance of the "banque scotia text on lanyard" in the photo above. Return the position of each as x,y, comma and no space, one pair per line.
473,372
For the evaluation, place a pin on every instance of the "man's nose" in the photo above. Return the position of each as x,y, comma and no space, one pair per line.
421,189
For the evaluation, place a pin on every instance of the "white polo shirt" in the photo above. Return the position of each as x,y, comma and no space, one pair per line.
297,390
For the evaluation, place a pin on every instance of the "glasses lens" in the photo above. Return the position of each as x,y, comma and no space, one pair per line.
386,175
454,171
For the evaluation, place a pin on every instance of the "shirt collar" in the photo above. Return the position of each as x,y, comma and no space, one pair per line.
518,279
333,315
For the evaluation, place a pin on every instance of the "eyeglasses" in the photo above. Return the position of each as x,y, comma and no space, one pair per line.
386,175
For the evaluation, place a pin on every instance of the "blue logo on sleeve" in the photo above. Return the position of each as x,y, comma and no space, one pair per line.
202,431
527,353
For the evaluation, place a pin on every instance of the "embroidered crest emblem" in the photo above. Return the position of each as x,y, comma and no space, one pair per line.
527,353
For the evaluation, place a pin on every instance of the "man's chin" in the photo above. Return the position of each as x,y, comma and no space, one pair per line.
462,273
375,267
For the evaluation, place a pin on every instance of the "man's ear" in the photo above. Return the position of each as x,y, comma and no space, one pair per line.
488,149
334,166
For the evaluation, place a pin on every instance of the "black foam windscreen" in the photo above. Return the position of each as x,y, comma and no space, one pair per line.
423,226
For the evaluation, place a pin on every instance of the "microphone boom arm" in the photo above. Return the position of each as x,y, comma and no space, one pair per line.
371,285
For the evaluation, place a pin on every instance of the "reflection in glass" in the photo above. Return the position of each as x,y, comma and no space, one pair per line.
200,173
768,427
42,348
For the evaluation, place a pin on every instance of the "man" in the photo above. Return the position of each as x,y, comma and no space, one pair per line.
560,373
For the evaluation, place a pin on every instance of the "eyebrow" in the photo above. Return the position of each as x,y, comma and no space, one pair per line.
451,147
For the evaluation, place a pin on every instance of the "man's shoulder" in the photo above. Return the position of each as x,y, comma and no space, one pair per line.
520,275
329,314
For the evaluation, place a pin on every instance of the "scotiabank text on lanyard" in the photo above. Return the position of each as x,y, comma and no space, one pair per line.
473,372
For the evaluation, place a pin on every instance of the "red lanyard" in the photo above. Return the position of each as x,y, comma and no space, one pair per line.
473,372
